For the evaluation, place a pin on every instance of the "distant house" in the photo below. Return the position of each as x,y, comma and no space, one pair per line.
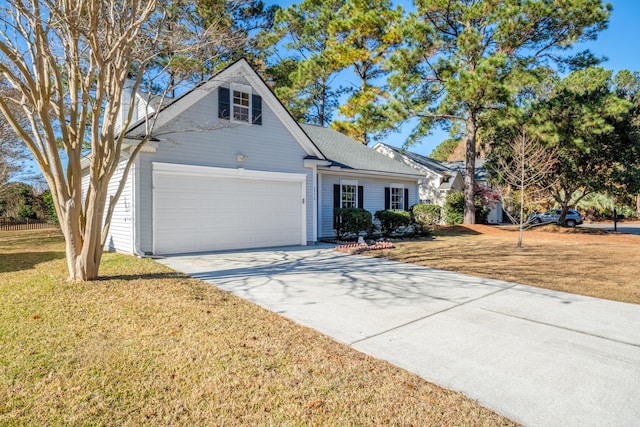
229,168
440,178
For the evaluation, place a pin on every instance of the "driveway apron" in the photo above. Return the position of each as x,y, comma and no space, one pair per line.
539,357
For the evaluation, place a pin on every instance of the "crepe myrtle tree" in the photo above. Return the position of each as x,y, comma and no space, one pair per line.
68,62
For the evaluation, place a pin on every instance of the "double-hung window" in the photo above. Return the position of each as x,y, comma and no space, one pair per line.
397,197
241,103
348,194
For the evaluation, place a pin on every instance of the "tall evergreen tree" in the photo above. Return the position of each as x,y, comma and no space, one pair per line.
308,75
364,35
463,57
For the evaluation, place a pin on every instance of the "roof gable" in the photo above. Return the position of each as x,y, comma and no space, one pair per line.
427,162
239,69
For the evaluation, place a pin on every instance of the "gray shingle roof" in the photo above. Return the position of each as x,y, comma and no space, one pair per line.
347,153
481,171
427,162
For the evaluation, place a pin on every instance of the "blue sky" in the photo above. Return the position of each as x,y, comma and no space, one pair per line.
620,43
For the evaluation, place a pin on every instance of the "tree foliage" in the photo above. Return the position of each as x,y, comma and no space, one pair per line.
363,36
464,57
13,153
307,77
592,128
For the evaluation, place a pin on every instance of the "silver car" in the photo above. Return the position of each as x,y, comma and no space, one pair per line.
553,215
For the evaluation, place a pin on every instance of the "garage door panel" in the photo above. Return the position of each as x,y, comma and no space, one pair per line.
196,213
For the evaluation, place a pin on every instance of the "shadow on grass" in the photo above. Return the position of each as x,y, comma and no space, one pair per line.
144,276
18,261
454,230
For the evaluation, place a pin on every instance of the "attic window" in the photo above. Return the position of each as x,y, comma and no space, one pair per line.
241,105
238,104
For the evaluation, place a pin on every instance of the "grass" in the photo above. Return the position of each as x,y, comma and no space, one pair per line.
579,261
145,345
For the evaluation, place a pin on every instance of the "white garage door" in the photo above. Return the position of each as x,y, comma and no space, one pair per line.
204,212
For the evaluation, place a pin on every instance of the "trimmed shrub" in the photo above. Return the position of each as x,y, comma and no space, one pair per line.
352,221
425,217
454,208
390,220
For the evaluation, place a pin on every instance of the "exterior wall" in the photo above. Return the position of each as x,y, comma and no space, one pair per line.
202,139
120,237
428,187
373,196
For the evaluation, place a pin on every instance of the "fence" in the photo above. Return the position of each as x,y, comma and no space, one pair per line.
9,224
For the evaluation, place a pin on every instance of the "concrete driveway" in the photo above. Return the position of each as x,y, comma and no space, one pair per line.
541,358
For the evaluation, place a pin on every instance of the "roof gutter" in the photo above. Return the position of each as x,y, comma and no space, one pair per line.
341,171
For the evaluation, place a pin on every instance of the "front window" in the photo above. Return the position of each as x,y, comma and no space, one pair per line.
397,197
349,195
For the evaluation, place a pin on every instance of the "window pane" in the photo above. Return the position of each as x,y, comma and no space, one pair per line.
397,198
240,106
240,113
241,98
349,196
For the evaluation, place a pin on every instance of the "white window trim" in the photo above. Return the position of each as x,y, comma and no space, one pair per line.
344,182
245,89
399,187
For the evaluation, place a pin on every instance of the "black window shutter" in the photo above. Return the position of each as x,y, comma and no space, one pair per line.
360,196
406,199
224,103
336,195
256,109
387,198
336,202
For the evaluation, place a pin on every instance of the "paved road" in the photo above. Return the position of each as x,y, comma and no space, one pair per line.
541,358
623,227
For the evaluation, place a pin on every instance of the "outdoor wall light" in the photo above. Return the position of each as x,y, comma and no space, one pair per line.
240,157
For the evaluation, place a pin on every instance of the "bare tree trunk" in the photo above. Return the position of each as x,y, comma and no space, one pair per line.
638,204
470,172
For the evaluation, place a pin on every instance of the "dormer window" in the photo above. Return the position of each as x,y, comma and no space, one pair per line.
238,104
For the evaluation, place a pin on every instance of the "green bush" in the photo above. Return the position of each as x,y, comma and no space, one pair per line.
25,212
352,221
454,209
49,207
390,220
426,217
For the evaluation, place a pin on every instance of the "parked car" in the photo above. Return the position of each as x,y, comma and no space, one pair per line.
553,215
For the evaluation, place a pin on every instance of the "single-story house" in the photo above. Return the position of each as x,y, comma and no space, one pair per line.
440,178
229,168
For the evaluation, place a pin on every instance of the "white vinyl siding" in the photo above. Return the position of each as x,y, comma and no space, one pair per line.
120,237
